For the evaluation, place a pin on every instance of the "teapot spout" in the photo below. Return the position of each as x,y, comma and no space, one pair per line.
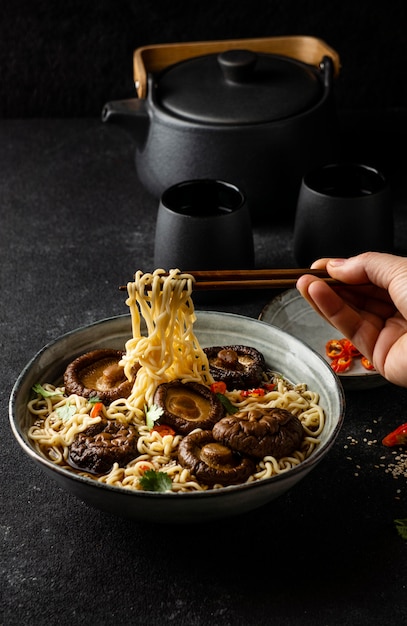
131,115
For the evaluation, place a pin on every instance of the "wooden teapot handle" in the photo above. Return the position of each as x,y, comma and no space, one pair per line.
154,58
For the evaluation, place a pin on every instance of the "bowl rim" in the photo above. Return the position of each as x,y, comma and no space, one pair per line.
301,468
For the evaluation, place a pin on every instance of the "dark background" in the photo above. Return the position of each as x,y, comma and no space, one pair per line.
64,59
325,554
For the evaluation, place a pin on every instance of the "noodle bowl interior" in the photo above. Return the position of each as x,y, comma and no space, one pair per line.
149,453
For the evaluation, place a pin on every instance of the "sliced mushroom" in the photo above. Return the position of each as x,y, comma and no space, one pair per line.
211,462
187,406
102,444
240,367
259,433
98,373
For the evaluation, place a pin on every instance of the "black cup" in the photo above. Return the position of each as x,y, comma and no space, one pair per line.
203,224
343,209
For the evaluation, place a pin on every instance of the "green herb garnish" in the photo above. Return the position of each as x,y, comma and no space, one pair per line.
152,413
66,411
401,526
155,481
230,408
43,392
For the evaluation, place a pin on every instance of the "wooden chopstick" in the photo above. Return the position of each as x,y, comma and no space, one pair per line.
253,279
211,280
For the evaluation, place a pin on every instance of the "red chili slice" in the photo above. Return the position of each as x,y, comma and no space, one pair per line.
349,347
163,429
334,349
259,391
397,437
96,409
270,386
342,364
218,387
366,363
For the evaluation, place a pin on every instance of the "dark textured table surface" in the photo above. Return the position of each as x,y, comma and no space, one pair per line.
75,223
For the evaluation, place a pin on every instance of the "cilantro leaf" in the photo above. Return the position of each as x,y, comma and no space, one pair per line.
153,413
230,408
43,392
66,411
155,481
401,526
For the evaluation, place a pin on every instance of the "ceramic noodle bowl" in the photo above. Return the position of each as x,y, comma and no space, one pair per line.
282,352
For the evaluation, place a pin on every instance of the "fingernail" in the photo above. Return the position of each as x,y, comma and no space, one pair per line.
336,262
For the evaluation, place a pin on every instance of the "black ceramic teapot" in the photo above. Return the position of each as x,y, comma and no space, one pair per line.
257,113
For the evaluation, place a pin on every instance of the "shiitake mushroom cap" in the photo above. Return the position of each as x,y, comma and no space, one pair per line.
238,366
98,373
97,448
187,406
261,432
211,462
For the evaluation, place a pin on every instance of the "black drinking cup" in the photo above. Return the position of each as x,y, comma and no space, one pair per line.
203,224
343,209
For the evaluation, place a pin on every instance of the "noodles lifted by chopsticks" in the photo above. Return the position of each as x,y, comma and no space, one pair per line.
170,349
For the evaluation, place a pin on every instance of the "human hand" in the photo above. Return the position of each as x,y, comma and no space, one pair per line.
372,315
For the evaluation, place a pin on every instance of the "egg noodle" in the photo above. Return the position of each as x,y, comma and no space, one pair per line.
168,350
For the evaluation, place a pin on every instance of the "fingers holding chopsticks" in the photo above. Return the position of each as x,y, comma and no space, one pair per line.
365,280
368,305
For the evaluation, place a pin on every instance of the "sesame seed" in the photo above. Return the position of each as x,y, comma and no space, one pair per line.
397,468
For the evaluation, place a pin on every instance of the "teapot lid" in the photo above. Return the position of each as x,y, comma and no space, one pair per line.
238,87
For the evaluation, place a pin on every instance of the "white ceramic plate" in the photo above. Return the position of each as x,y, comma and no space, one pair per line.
290,312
